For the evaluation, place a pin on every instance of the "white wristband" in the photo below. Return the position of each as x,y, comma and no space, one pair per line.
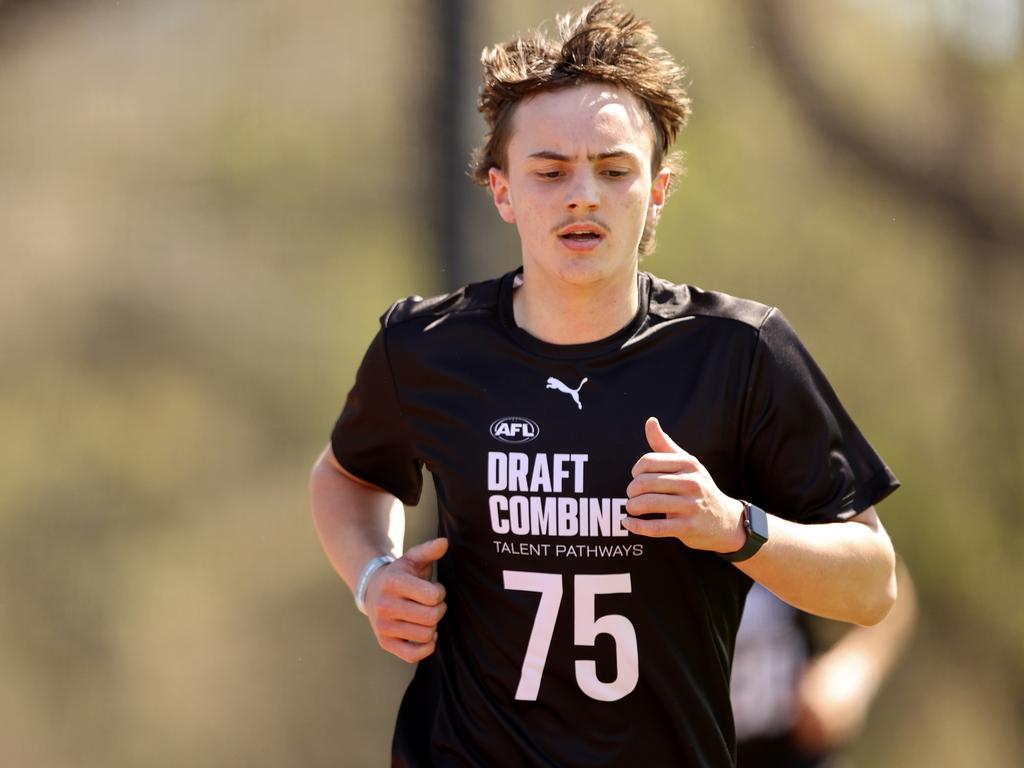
364,578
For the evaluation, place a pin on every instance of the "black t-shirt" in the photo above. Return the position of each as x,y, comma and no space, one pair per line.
567,640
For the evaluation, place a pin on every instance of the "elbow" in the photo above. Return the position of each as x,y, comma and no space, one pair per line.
883,599
876,612
879,579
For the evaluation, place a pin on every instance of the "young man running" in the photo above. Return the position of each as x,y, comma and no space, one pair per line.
615,457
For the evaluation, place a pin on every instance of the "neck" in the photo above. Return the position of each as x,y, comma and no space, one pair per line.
574,314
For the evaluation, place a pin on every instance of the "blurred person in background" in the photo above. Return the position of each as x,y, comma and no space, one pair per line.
797,704
594,433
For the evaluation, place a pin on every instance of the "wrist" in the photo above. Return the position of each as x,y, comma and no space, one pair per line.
755,526
364,578
738,531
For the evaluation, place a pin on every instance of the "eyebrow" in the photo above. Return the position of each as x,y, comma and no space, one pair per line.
548,154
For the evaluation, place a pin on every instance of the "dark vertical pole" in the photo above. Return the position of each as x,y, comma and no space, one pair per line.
452,89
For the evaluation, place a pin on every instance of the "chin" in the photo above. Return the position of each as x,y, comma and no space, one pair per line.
587,269
583,270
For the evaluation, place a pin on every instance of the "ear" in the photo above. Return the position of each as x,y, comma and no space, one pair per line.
502,195
659,193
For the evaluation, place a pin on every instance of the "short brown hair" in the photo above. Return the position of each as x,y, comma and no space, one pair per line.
605,43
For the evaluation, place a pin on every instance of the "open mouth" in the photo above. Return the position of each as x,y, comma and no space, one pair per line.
581,237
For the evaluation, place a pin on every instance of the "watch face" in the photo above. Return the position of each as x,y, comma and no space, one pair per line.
757,522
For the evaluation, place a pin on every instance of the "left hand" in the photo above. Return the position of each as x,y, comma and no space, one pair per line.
672,482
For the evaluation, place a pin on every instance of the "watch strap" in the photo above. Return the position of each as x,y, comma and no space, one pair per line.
755,523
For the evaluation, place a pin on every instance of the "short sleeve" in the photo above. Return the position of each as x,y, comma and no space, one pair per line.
803,457
370,438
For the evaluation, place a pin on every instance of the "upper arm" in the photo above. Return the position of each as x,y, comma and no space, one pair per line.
385,499
330,462
329,471
371,439
803,454
869,518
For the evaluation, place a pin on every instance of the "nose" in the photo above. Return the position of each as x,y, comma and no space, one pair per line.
583,193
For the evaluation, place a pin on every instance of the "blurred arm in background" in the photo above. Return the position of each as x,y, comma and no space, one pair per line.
795,707
838,686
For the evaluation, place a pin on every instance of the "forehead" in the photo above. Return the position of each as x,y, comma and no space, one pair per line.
588,118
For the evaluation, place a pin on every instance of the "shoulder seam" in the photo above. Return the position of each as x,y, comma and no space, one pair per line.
666,304
416,307
771,311
388,320
757,328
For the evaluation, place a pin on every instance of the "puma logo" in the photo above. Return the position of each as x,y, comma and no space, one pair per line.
554,383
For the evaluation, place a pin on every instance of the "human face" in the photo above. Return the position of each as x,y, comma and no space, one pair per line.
577,183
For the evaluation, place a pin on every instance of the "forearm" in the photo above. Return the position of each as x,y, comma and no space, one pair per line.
843,571
353,521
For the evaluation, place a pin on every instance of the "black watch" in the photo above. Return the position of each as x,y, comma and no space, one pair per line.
755,521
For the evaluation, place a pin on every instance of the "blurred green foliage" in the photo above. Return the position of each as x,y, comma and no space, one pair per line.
204,206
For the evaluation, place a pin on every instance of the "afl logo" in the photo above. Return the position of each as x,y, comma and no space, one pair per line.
514,429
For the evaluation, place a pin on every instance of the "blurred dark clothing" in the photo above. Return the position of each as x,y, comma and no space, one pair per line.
772,649
775,752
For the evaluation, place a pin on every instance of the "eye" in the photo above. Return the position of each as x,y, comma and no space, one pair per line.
615,173
549,174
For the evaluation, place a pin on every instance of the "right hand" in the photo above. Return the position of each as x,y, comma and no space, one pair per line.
404,605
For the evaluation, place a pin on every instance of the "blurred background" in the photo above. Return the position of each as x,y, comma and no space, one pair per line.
206,204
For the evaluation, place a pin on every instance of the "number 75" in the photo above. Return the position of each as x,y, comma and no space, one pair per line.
586,587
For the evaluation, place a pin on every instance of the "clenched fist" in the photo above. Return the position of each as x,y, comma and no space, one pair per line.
404,605
674,483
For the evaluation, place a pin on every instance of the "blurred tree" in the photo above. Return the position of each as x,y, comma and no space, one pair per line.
450,83
10,10
973,192
956,170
